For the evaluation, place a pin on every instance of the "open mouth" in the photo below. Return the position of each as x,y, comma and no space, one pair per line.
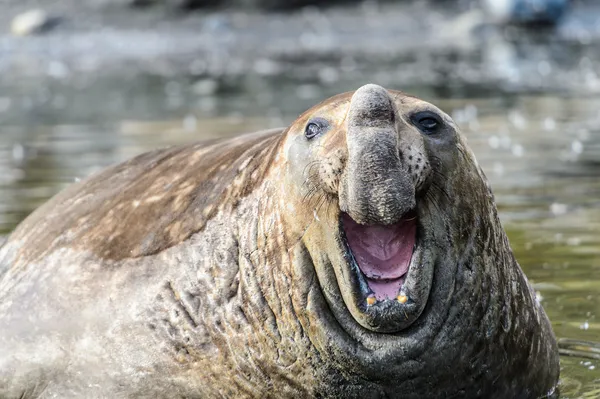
382,253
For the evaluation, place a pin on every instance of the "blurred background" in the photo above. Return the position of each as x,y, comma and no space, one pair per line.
87,83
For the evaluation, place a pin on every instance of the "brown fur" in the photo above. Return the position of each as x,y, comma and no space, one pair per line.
150,203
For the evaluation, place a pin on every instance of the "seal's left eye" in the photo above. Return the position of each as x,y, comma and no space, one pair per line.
428,122
315,127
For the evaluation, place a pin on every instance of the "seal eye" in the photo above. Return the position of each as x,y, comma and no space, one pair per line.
315,127
428,122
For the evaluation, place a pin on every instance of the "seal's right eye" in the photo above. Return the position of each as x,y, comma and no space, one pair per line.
315,127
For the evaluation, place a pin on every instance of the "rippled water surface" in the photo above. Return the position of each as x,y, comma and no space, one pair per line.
540,151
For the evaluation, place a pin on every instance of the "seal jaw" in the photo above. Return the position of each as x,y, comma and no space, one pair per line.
395,299
382,253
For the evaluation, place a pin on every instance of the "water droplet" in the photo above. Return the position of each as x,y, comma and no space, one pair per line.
190,123
518,150
18,152
205,87
577,147
498,168
558,209
494,142
518,120
549,124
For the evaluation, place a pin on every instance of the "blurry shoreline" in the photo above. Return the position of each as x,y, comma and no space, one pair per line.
123,56
124,41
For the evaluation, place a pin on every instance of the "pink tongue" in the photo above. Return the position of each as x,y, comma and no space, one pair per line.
383,253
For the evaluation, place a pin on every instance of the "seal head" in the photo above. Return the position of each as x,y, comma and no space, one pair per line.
377,179
400,226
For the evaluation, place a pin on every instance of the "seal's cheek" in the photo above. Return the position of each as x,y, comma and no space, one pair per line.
300,193
299,156
315,166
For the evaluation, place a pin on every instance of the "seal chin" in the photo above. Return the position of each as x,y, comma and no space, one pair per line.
380,259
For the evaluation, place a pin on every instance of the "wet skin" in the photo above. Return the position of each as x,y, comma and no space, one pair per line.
357,253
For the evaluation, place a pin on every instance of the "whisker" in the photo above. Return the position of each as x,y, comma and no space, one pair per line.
310,165
432,201
442,190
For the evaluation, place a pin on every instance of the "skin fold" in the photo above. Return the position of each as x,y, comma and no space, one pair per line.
221,270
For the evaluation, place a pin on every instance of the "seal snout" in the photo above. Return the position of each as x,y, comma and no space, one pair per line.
372,106
377,188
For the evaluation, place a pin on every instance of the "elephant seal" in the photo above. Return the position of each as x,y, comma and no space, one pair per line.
355,254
